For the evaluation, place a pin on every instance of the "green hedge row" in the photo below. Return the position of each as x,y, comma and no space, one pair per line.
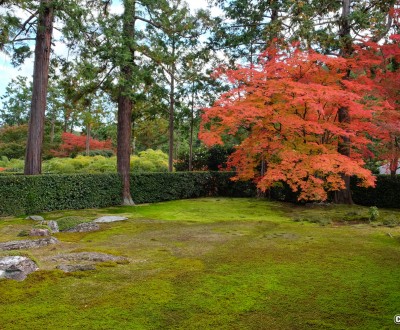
385,194
21,194
31,194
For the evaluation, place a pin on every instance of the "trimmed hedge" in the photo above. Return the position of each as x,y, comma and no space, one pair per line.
385,194
31,194
21,194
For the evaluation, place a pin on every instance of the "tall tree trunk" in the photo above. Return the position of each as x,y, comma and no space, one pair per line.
191,132
343,196
171,112
33,156
52,130
125,104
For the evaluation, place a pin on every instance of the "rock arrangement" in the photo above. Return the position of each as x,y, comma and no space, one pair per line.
28,244
16,267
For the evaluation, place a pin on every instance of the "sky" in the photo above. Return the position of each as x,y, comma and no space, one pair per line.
8,72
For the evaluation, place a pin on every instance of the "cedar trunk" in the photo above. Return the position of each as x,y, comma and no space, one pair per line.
191,132
125,104
124,146
171,112
33,156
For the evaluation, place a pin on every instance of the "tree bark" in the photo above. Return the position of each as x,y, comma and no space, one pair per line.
33,156
191,132
171,112
343,196
125,104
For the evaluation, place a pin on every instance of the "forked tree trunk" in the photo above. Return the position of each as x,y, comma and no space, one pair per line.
33,156
125,104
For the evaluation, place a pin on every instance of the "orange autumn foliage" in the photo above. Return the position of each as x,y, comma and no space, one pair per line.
77,143
288,108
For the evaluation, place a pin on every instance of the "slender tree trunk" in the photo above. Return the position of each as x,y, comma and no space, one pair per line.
171,113
125,104
343,196
33,157
87,142
191,132
52,130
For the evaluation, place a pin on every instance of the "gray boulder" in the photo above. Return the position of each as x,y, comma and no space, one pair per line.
84,227
28,244
16,267
110,218
39,232
34,217
53,225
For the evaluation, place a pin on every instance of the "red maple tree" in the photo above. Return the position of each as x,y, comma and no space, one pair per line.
73,143
287,110
381,63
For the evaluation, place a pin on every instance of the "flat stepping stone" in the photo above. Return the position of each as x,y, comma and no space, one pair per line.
88,256
28,244
84,227
16,267
35,217
110,218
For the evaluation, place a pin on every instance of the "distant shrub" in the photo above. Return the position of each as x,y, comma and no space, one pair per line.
70,222
149,161
373,213
104,153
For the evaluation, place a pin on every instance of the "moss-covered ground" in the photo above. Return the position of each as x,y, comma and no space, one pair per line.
214,264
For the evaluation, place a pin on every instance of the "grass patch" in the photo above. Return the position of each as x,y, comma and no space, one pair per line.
215,263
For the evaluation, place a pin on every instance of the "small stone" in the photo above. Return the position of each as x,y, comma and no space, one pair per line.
110,218
84,227
35,217
89,256
75,268
16,267
53,225
39,232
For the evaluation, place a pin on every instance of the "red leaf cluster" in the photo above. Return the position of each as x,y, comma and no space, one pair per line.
73,143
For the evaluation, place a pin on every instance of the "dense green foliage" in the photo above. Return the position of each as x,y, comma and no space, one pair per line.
211,263
385,194
145,161
28,194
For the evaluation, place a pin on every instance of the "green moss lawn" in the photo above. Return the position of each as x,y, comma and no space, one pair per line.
214,264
